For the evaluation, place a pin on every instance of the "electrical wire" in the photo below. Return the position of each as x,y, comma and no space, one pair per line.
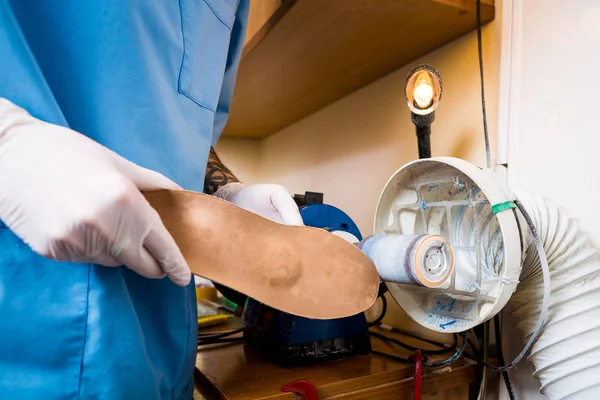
392,357
498,335
537,241
450,360
218,341
484,351
545,297
444,363
212,336
473,341
473,347
488,155
443,350
412,335
488,158
378,320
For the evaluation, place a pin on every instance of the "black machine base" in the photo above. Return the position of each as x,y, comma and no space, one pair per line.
296,355
292,341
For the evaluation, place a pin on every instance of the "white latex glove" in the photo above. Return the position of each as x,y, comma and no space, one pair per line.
71,199
270,201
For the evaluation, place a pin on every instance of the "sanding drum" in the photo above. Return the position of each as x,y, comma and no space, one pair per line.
423,260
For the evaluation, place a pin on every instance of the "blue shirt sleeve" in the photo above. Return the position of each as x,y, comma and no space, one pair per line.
21,80
236,46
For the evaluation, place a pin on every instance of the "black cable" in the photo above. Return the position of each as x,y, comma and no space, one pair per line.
450,360
444,363
223,337
378,320
517,203
494,368
222,340
472,346
533,337
444,349
498,335
482,373
489,165
545,299
212,336
412,348
488,155
392,357
412,335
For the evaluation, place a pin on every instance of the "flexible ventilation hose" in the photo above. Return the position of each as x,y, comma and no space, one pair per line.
566,355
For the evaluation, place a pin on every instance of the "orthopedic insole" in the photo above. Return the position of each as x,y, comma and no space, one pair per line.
300,270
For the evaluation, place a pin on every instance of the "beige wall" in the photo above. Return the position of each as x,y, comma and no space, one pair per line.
242,156
547,126
350,149
550,125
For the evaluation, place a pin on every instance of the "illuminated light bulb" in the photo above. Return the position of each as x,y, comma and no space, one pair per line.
423,95
423,90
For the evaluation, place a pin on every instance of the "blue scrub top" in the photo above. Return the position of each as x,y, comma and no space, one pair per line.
153,81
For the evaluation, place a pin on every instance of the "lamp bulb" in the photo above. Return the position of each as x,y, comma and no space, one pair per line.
423,90
423,95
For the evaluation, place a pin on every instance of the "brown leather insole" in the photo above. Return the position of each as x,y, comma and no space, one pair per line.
300,270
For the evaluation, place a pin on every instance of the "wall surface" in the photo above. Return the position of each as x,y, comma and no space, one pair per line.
349,150
546,135
554,138
549,116
242,157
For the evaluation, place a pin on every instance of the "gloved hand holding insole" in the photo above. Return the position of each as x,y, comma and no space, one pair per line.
71,199
297,269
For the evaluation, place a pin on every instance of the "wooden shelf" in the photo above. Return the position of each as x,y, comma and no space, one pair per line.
311,53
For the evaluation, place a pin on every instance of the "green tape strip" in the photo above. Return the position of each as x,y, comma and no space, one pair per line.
507,205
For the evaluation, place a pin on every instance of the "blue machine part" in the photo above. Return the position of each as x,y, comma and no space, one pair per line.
328,217
290,340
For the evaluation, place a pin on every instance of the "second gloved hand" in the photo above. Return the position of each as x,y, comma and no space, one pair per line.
71,199
270,201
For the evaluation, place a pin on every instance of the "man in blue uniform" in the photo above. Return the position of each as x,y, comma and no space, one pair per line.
100,100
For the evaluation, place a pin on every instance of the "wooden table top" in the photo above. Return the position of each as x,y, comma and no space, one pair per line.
237,372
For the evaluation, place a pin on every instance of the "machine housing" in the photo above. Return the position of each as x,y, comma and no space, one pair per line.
290,340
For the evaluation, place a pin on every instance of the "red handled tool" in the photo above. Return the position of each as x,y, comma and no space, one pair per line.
304,388
418,375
